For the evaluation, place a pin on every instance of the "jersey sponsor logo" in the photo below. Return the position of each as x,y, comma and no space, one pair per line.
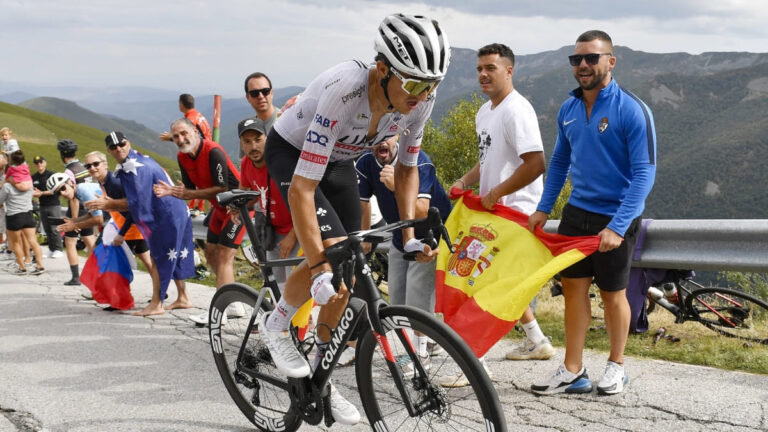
300,115
331,83
566,123
316,138
341,145
603,125
325,122
353,94
362,116
413,149
314,158
393,128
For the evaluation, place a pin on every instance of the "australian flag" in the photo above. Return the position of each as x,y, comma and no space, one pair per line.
164,222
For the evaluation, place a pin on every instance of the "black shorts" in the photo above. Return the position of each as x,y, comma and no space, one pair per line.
83,232
337,198
137,246
609,269
19,221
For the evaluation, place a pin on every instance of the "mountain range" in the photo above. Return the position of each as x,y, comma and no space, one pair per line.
709,112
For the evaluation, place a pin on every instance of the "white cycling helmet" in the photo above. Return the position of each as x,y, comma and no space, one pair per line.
56,181
415,45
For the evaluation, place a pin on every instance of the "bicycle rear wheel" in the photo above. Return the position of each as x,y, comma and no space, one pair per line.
473,407
731,313
258,389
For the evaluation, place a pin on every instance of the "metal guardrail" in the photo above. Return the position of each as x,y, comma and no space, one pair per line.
697,244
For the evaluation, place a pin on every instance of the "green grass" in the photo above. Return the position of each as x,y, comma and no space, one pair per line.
697,346
38,133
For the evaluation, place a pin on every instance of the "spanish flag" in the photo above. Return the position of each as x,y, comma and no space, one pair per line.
496,269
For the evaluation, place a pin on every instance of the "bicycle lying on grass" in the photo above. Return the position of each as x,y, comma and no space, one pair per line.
729,312
402,395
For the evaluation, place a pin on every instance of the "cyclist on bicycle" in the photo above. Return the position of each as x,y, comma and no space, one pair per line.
310,154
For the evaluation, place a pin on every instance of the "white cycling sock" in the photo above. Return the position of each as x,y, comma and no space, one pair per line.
421,344
533,332
320,349
280,318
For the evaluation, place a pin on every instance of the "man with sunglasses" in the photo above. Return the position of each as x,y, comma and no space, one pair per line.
50,207
607,141
310,154
115,202
509,168
258,93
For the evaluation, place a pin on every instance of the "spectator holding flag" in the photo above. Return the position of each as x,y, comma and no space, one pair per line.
113,200
163,221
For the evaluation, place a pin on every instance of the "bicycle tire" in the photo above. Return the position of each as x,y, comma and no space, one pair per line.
474,407
730,312
265,403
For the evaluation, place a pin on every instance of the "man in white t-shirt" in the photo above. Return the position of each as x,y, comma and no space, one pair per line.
511,162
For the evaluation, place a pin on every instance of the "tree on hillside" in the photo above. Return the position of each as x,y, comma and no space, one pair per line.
452,145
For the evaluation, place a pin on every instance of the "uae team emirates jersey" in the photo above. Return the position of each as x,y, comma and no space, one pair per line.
330,120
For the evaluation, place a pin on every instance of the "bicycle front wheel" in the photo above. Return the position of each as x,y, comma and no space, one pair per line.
474,406
730,312
243,359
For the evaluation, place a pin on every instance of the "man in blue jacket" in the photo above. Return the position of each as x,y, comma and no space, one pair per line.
607,141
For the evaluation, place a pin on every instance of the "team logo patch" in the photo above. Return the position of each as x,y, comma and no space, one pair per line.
603,125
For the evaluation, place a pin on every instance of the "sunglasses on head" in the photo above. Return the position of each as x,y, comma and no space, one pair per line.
264,92
415,87
92,165
121,144
591,59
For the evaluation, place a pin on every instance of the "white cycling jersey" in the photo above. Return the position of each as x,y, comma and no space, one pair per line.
330,120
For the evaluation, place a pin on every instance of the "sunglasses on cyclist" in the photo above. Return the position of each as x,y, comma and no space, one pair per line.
591,59
415,87
92,164
121,144
264,92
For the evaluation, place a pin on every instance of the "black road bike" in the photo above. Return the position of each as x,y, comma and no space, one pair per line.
398,389
729,312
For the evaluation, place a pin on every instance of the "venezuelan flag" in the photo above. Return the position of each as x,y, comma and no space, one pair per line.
496,269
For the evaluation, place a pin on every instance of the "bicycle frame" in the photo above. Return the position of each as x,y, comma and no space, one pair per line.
681,310
349,266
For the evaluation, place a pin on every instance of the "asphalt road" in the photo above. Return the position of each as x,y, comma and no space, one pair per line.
68,365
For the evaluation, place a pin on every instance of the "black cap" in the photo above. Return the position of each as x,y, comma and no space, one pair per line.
251,123
38,159
114,138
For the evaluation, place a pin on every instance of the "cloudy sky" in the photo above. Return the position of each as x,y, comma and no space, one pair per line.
207,47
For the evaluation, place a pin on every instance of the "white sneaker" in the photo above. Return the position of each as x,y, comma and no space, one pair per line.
528,350
614,379
202,319
343,411
48,254
564,381
347,356
236,310
284,353
57,254
458,379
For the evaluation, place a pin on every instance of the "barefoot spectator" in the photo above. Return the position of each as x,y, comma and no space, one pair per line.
163,222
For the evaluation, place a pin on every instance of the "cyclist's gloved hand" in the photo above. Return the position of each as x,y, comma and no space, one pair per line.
414,245
322,288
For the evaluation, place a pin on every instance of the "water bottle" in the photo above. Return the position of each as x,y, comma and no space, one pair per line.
670,292
657,296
